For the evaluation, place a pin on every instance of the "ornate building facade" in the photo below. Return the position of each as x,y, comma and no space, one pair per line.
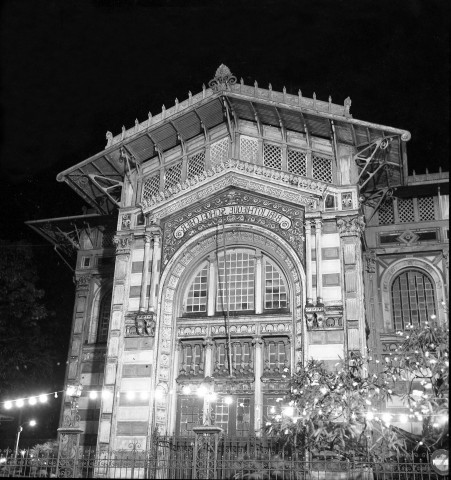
231,236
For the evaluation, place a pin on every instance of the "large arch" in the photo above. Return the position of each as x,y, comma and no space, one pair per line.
407,263
175,276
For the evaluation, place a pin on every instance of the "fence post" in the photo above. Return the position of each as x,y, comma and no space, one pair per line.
205,456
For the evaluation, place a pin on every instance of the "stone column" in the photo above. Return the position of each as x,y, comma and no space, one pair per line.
258,372
308,261
121,276
145,274
350,230
155,269
208,357
211,292
258,282
319,279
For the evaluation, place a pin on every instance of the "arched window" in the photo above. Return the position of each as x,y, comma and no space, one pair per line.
104,318
248,281
412,298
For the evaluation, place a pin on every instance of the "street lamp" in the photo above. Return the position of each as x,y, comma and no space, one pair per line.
32,423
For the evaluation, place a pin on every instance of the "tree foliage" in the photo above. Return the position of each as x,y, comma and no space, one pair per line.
340,411
25,324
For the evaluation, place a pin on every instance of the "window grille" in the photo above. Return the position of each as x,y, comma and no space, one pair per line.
151,186
386,213
322,168
426,208
196,164
275,289
413,299
248,149
240,278
405,210
272,156
104,318
219,151
197,294
173,175
107,238
276,355
297,162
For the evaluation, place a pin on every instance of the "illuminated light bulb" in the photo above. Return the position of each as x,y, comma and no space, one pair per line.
202,391
32,423
435,424
268,424
433,316
93,395
419,417
369,416
288,411
403,418
386,417
186,390
323,390
273,410
130,395
8,404
56,395
19,403
43,398
32,401
368,402
279,399
228,400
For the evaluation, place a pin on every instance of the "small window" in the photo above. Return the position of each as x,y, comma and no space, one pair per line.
104,318
86,262
330,202
197,294
275,288
413,299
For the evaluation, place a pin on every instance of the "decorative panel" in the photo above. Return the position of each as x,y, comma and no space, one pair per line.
196,164
426,208
151,186
322,168
272,156
297,162
405,210
173,175
248,149
219,151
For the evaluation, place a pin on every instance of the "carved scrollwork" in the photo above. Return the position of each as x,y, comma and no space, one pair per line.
371,261
145,324
83,281
223,79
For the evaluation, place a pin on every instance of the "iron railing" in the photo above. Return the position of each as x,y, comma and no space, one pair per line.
246,458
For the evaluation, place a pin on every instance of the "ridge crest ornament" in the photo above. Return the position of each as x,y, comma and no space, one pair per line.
223,79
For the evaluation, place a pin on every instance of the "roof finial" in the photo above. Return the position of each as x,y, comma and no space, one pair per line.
347,105
223,79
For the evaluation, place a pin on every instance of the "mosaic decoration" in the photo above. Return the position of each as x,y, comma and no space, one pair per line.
234,206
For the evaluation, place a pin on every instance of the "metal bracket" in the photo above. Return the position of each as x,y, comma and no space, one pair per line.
108,186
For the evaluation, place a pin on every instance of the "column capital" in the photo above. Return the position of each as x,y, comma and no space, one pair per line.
257,341
147,238
318,223
123,243
351,226
308,225
82,282
370,257
208,342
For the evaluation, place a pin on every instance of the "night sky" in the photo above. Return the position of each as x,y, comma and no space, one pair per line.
73,69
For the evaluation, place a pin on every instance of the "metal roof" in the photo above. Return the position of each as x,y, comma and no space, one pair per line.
99,178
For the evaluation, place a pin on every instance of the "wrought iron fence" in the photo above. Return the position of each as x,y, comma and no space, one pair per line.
246,458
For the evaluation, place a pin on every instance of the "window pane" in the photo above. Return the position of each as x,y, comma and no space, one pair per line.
191,411
197,295
240,282
275,288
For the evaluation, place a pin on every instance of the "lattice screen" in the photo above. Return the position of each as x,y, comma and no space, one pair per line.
272,156
151,186
219,151
248,149
196,164
405,210
107,238
426,208
173,175
322,168
297,162
386,212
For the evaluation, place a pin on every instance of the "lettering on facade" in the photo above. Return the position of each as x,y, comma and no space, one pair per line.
234,206
283,221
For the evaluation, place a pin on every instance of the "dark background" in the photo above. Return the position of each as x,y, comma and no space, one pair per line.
73,69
